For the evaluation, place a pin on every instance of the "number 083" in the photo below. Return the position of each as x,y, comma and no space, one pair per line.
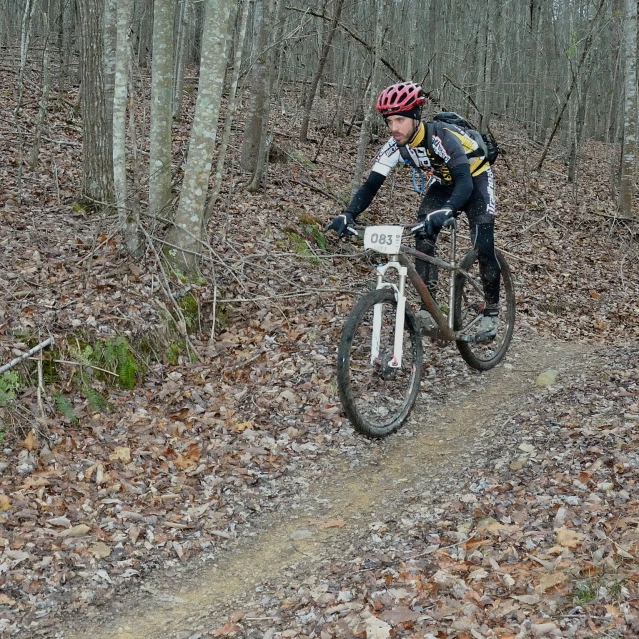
384,239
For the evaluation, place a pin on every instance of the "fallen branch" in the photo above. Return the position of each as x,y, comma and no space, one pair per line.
35,349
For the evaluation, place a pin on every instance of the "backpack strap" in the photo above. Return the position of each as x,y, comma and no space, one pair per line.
403,151
430,131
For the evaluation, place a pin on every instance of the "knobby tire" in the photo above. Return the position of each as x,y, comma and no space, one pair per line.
378,399
485,355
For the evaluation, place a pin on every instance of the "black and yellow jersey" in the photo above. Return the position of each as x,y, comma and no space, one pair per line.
436,148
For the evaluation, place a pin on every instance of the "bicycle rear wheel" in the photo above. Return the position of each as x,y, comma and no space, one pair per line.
376,397
469,307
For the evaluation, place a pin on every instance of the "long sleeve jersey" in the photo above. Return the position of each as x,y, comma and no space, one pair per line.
452,158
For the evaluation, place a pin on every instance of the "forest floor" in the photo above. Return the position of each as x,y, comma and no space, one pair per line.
226,494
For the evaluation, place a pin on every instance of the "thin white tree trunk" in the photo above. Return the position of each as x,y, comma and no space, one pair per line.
110,43
628,160
180,59
44,98
257,95
226,134
127,214
264,141
186,234
320,69
161,106
370,107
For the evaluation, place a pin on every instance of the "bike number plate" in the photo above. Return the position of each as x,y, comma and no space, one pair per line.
383,239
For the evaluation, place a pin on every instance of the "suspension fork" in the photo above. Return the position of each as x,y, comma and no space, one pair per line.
400,296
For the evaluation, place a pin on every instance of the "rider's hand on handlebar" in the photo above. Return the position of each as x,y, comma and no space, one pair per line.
438,219
343,225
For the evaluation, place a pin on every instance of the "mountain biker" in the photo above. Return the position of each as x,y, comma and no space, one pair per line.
462,180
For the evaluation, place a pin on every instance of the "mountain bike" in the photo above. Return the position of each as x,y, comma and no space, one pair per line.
380,353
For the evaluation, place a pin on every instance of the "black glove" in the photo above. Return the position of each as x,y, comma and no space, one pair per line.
438,219
341,225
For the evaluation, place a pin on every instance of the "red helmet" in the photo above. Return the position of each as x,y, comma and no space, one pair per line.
400,97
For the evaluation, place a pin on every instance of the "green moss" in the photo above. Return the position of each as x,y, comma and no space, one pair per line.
9,386
191,311
174,351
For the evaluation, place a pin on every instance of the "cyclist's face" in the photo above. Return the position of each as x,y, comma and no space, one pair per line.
401,128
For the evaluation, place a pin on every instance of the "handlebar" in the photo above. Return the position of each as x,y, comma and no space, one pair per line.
410,229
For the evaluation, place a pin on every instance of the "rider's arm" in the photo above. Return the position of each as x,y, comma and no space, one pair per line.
448,146
463,186
385,160
365,194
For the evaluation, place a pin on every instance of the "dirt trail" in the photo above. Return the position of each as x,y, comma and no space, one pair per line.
428,454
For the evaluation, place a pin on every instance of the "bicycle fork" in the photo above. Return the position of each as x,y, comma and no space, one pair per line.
400,296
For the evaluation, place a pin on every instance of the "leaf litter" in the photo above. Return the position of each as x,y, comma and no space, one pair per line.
180,465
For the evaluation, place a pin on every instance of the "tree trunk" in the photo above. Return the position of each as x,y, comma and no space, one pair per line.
230,109
186,234
628,159
258,94
127,212
320,69
161,106
489,61
110,42
264,143
96,145
372,99
44,99
180,59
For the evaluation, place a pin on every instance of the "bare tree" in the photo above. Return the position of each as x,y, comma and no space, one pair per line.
258,90
180,58
96,143
378,7
161,106
127,210
230,108
320,69
186,235
628,160
110,42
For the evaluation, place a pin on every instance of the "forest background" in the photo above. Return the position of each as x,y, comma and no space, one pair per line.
169,169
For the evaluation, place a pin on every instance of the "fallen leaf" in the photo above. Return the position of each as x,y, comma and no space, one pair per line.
122,454
5,502
227,630
288,395
549,581
75,531
547,378
335,523
6,601
377,629
99,550
569,538
30,442
400,614
531,600
539,629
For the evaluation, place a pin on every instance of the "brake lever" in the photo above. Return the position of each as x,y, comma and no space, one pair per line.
418,227
450,222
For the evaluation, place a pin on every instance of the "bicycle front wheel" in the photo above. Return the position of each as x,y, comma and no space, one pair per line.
469,308
377,397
